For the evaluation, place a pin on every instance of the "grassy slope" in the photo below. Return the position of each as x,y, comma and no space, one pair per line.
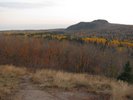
10,75
9,78
117,89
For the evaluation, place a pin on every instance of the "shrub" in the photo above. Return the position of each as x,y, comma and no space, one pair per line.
126,75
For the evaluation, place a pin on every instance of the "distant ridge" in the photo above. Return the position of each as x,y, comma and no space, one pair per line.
97,25
88,25
100,21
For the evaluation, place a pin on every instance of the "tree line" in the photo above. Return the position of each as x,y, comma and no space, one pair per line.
64,55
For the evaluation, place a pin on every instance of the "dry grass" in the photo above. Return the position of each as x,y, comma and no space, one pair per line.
50,78
12,70
120,90
9,77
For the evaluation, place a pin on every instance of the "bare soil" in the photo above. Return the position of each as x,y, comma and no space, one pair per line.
26,90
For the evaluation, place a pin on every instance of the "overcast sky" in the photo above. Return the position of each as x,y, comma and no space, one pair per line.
63,12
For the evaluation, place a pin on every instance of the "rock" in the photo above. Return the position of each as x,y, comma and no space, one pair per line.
26,77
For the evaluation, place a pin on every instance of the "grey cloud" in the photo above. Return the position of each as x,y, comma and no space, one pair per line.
19,5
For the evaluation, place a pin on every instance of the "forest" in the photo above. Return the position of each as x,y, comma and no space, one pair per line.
63,51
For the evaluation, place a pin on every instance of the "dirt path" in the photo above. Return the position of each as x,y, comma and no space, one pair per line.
29,91
35,95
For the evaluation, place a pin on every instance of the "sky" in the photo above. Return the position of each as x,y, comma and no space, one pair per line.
47,14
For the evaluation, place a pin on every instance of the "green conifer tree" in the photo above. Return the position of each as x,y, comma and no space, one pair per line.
126,75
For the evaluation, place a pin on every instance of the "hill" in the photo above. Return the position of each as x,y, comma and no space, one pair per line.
89,25
101,26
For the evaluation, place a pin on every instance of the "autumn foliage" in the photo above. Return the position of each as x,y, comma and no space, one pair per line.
61,55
